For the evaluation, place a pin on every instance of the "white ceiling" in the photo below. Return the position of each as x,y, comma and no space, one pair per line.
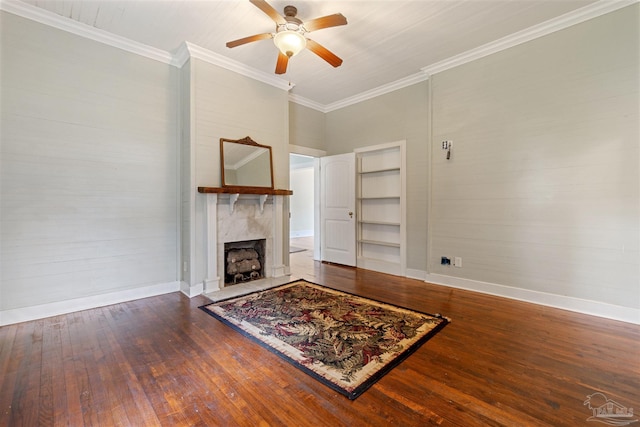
384,41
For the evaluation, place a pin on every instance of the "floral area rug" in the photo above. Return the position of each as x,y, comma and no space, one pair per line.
343,340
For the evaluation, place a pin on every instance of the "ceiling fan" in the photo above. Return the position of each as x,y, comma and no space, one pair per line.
290,36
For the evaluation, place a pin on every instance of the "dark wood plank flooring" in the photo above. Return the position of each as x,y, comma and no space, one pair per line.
162,361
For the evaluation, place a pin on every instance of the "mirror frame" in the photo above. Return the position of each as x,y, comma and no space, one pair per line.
245,141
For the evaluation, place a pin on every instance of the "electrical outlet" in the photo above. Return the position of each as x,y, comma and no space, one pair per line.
457,262
184,266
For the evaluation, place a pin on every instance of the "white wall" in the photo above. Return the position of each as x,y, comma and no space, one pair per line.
541,196
301,203
399,115
306,127
88,168
542,190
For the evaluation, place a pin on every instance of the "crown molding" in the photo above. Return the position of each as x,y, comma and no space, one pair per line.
380,90
187,50
51,19
578,16
363,96
306,102
194,51
567,20
181,55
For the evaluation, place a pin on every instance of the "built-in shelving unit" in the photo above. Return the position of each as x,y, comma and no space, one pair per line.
381,226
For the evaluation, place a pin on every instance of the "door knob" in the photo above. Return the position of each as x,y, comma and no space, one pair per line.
350,214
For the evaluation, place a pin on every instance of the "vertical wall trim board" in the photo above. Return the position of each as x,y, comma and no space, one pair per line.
429,186
317,231
193,134
178,188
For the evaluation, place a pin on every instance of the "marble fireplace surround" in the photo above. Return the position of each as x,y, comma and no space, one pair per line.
233,217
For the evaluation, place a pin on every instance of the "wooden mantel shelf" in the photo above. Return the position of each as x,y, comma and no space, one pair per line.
245,190
235,192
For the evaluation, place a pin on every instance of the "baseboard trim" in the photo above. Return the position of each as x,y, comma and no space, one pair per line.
301,233
415,274
379,265
279,271
209,285
593,308
197,289
24,314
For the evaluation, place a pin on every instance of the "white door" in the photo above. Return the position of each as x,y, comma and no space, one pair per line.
337,208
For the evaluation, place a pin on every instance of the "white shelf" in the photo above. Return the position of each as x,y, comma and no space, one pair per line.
378,197
379,242
390,223
381,170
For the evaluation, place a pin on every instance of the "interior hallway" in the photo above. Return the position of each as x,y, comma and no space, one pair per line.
302,264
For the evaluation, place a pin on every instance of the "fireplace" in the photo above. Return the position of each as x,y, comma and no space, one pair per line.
241,218
244,261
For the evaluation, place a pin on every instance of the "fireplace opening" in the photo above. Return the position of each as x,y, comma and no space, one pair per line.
244,261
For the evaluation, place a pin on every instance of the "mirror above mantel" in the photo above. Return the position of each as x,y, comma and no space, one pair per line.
247,169
245,163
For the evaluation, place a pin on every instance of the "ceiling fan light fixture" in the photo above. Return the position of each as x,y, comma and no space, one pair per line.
289,36
290,42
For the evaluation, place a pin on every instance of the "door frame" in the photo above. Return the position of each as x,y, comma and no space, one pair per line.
402,146
316,154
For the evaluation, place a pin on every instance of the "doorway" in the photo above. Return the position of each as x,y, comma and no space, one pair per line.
302,215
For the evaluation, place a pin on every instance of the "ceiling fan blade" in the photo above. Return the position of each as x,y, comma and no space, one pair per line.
281,63
249,39
324,53
325,22
270,11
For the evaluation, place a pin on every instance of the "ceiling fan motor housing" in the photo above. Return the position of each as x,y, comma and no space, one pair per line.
290,11
293,23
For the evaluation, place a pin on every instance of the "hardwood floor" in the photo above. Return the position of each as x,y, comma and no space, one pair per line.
162,361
